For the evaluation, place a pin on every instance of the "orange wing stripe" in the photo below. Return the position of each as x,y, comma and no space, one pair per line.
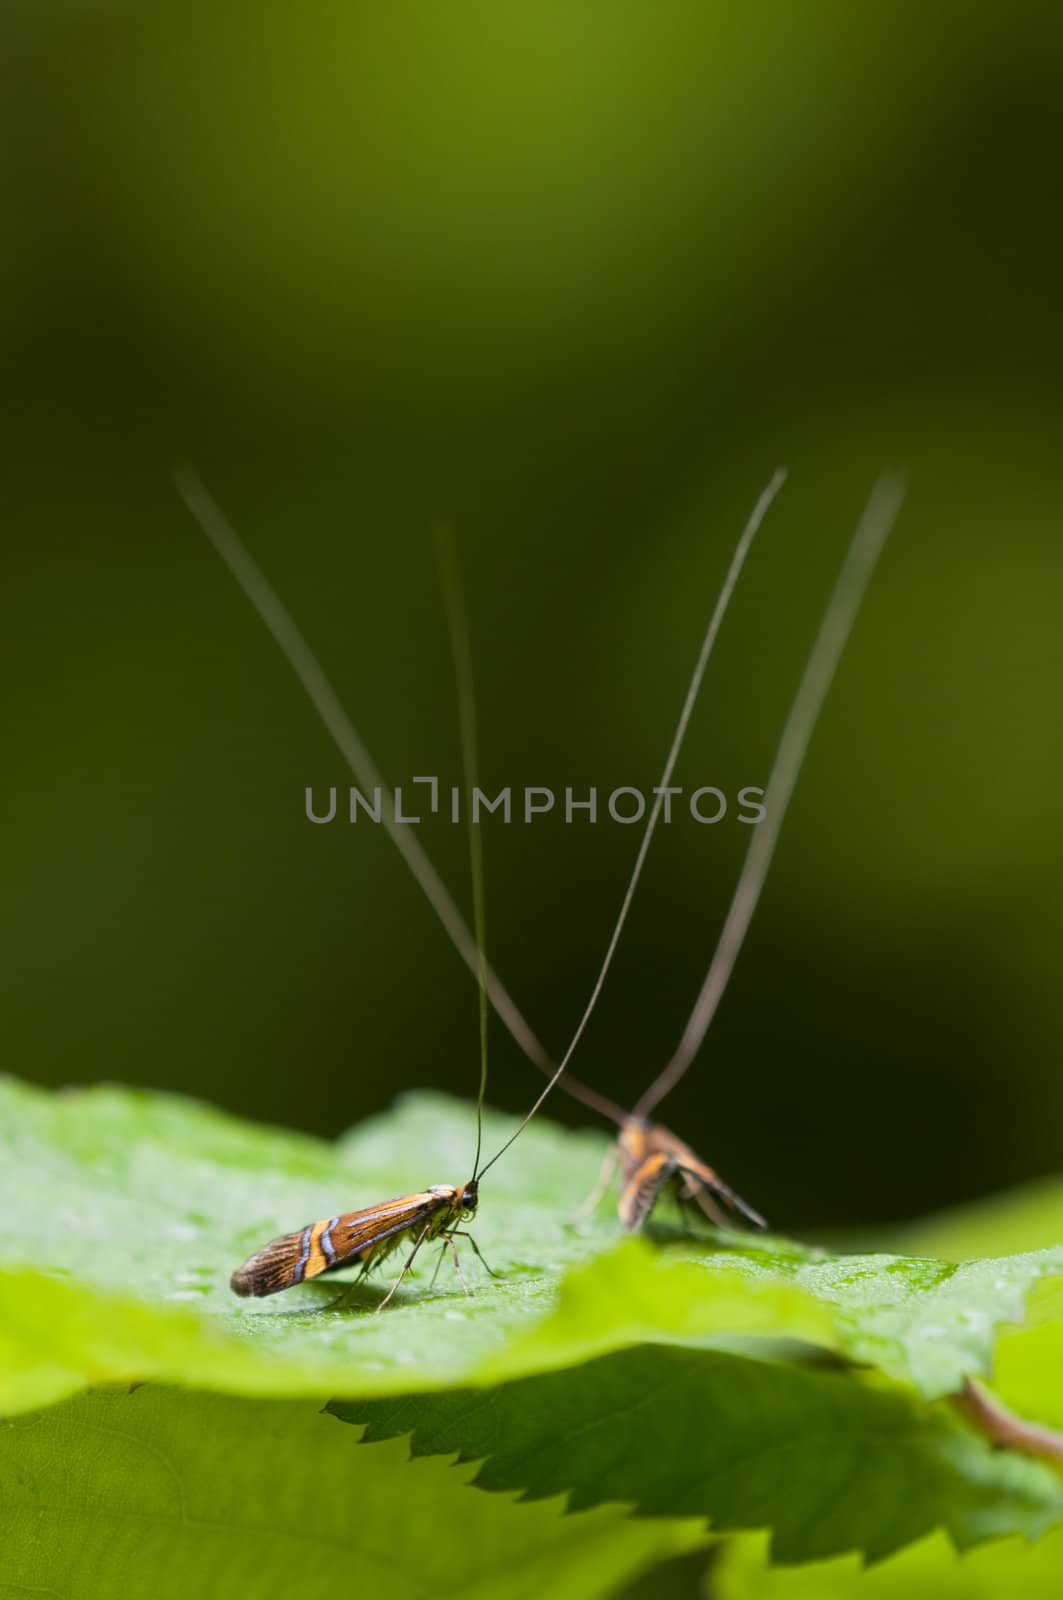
316,1260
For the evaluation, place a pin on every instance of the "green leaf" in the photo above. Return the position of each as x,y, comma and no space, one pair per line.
173,1495
830,1461
929,1322
1030,1218
127,1211
1028,1361
1009,1568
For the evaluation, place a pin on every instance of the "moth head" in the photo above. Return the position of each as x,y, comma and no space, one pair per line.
633,1139
469,1197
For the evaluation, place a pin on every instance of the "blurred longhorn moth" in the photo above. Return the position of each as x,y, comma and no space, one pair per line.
652,1159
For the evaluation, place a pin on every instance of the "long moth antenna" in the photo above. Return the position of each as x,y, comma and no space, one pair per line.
865,547
461,654
289,639
723,600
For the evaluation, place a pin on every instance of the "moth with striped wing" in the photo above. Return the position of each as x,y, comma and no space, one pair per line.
364,1238
368,1237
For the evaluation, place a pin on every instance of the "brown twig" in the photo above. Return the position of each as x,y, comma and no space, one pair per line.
1005,1430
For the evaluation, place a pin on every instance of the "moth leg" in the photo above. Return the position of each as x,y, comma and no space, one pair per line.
491,1273
421,1237
685,1201
439,1262
341,1301
605,1178
689,1184
457,1264
701,1197
346,1294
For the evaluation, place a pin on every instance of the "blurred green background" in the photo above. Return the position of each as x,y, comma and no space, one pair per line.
578,278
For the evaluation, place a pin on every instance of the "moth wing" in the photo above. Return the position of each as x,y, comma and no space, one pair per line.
702,1183
272,1268
357,1232
638,1195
